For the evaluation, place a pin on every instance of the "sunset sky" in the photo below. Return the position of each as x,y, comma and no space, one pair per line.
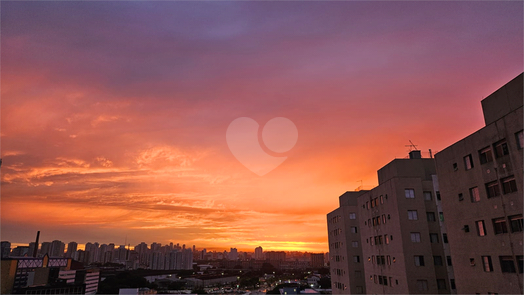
114,114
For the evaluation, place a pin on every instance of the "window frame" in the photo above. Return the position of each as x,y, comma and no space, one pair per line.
481,231
500,225
485,155
468,162
474,197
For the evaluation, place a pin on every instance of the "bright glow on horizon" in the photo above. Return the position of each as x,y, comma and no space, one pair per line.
114,114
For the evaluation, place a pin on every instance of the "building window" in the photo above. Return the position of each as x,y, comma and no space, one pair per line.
433,238
437,260
499,226
461,197
422,285
354,244
520,139
481,228
356,259
386,239
486,262
437,193
352,216
360,290
410,193
509,185
354,229
452,284
474,194
466,228
367,205
507,264
445,238
388,258
448,260
485,155
468,162
515,223
415,237
472,261
441,284
381,199
441,216
419,260
520,262
430,216
428,196
412,215
455,167
492,189
501,148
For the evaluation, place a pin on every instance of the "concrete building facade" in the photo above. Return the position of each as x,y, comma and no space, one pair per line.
391,239
345,248
480,180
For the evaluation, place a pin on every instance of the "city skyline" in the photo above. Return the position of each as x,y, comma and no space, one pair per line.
114,114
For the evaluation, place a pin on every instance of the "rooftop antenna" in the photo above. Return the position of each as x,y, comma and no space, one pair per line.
359,187
412,146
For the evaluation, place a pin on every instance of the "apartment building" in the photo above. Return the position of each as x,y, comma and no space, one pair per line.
396,233
345,248
480,180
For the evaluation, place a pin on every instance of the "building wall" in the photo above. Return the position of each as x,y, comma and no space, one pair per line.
391,237
503,116
347,274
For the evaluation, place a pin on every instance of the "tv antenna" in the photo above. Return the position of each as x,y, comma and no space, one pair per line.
412,146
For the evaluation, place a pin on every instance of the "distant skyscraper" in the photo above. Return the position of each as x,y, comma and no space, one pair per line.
57,249
71,248
317,260
46,247
6,249
233,254
259,253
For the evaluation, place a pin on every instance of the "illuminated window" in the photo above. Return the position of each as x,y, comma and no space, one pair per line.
410,193
486,262
474,194
481,228
468,162
352,216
